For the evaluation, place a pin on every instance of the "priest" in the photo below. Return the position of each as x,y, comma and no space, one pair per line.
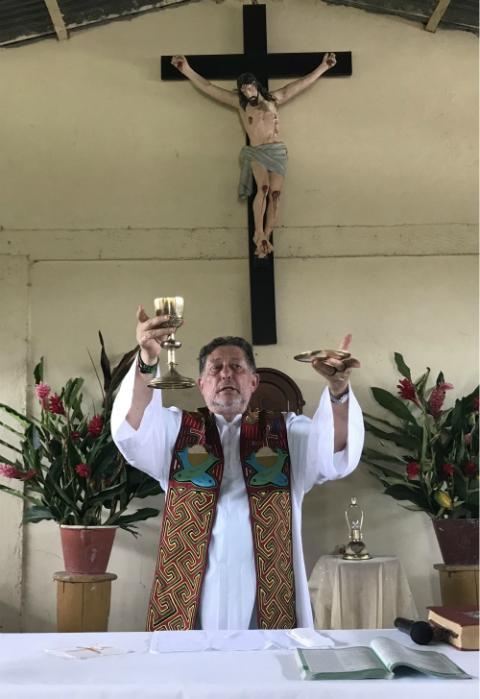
230,553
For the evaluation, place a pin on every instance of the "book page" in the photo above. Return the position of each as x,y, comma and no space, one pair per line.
430,662
340,661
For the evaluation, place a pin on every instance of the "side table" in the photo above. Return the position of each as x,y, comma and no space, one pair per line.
359,594
83,601
458,584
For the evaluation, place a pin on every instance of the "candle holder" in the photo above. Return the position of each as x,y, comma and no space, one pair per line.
355,550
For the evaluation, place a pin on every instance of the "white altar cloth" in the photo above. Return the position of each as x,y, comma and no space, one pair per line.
28,672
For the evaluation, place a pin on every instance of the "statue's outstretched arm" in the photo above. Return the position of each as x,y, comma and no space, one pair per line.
217,93
294,88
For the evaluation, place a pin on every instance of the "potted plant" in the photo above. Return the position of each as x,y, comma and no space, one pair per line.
71,470
428,457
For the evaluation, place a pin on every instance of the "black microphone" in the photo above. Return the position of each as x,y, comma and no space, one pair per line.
420,631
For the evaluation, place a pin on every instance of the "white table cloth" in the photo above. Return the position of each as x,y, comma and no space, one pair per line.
28,672
359,594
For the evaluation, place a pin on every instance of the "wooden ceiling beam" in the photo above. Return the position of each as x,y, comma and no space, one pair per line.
437,15
57,19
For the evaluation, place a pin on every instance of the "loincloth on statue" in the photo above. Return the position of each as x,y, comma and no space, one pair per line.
272,156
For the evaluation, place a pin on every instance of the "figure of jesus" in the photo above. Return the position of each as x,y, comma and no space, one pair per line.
265,159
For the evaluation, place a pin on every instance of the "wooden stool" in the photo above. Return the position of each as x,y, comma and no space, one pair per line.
83,601
458,584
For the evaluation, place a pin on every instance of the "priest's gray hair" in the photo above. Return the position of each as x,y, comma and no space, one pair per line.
228,340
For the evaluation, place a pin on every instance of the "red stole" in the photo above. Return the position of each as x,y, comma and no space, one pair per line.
190,505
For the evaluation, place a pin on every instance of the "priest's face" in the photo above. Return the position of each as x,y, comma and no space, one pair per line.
227,381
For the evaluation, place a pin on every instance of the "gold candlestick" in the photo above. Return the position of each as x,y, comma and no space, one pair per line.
355,550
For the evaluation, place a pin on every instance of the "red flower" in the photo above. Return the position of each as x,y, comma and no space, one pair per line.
448,469
437,397
12,472
42,391
470,468
83,470
406,390
413,469
74,436
55,405
95,426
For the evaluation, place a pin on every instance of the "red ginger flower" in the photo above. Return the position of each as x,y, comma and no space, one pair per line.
55,405
42,391
74,436
95,426
437,397
12,472
470,468
413,469
448,469
406,390
83,470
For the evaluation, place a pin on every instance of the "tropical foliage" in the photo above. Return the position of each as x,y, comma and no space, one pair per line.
71,470
427,455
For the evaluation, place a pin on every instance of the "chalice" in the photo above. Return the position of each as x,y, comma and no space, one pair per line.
171,306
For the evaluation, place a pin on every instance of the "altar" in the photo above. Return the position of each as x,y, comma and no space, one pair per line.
27,671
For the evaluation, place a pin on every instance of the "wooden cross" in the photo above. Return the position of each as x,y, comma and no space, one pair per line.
263,65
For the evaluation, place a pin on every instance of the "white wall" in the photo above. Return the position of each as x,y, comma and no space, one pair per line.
117,186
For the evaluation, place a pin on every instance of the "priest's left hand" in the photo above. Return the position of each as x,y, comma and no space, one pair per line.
337,371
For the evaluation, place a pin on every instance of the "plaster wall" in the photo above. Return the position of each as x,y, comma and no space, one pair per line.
116,187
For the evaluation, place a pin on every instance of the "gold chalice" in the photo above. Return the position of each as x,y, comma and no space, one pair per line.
171,306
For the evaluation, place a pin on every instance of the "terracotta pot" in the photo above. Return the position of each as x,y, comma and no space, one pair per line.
458,540
86,549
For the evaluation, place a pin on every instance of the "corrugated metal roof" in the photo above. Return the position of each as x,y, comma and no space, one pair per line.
25,20
460,14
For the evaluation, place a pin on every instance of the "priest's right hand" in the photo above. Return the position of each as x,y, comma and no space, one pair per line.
150,335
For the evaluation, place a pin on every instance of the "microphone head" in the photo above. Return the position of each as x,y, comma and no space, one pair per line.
421,632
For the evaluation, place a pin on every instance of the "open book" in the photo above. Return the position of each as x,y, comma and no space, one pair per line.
380,660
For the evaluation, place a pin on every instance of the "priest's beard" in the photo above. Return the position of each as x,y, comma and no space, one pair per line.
228,406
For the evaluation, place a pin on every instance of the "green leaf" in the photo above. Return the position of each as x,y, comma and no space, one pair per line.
11,429
422,382
381,456
398,438
138,516
402,367
37,513
393,404
38,371
10,446
70,392
18,416
403,492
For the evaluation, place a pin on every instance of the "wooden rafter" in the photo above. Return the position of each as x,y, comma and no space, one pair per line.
437,15
57,19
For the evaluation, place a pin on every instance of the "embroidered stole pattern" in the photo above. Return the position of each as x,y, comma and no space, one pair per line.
190,506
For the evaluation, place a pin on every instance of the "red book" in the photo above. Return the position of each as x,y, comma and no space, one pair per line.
462,623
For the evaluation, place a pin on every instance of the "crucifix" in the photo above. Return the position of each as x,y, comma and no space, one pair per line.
256,59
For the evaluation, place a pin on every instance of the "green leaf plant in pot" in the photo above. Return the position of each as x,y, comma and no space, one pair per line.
71,470
427,456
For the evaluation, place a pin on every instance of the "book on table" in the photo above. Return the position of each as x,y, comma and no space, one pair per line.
462,623
380,660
